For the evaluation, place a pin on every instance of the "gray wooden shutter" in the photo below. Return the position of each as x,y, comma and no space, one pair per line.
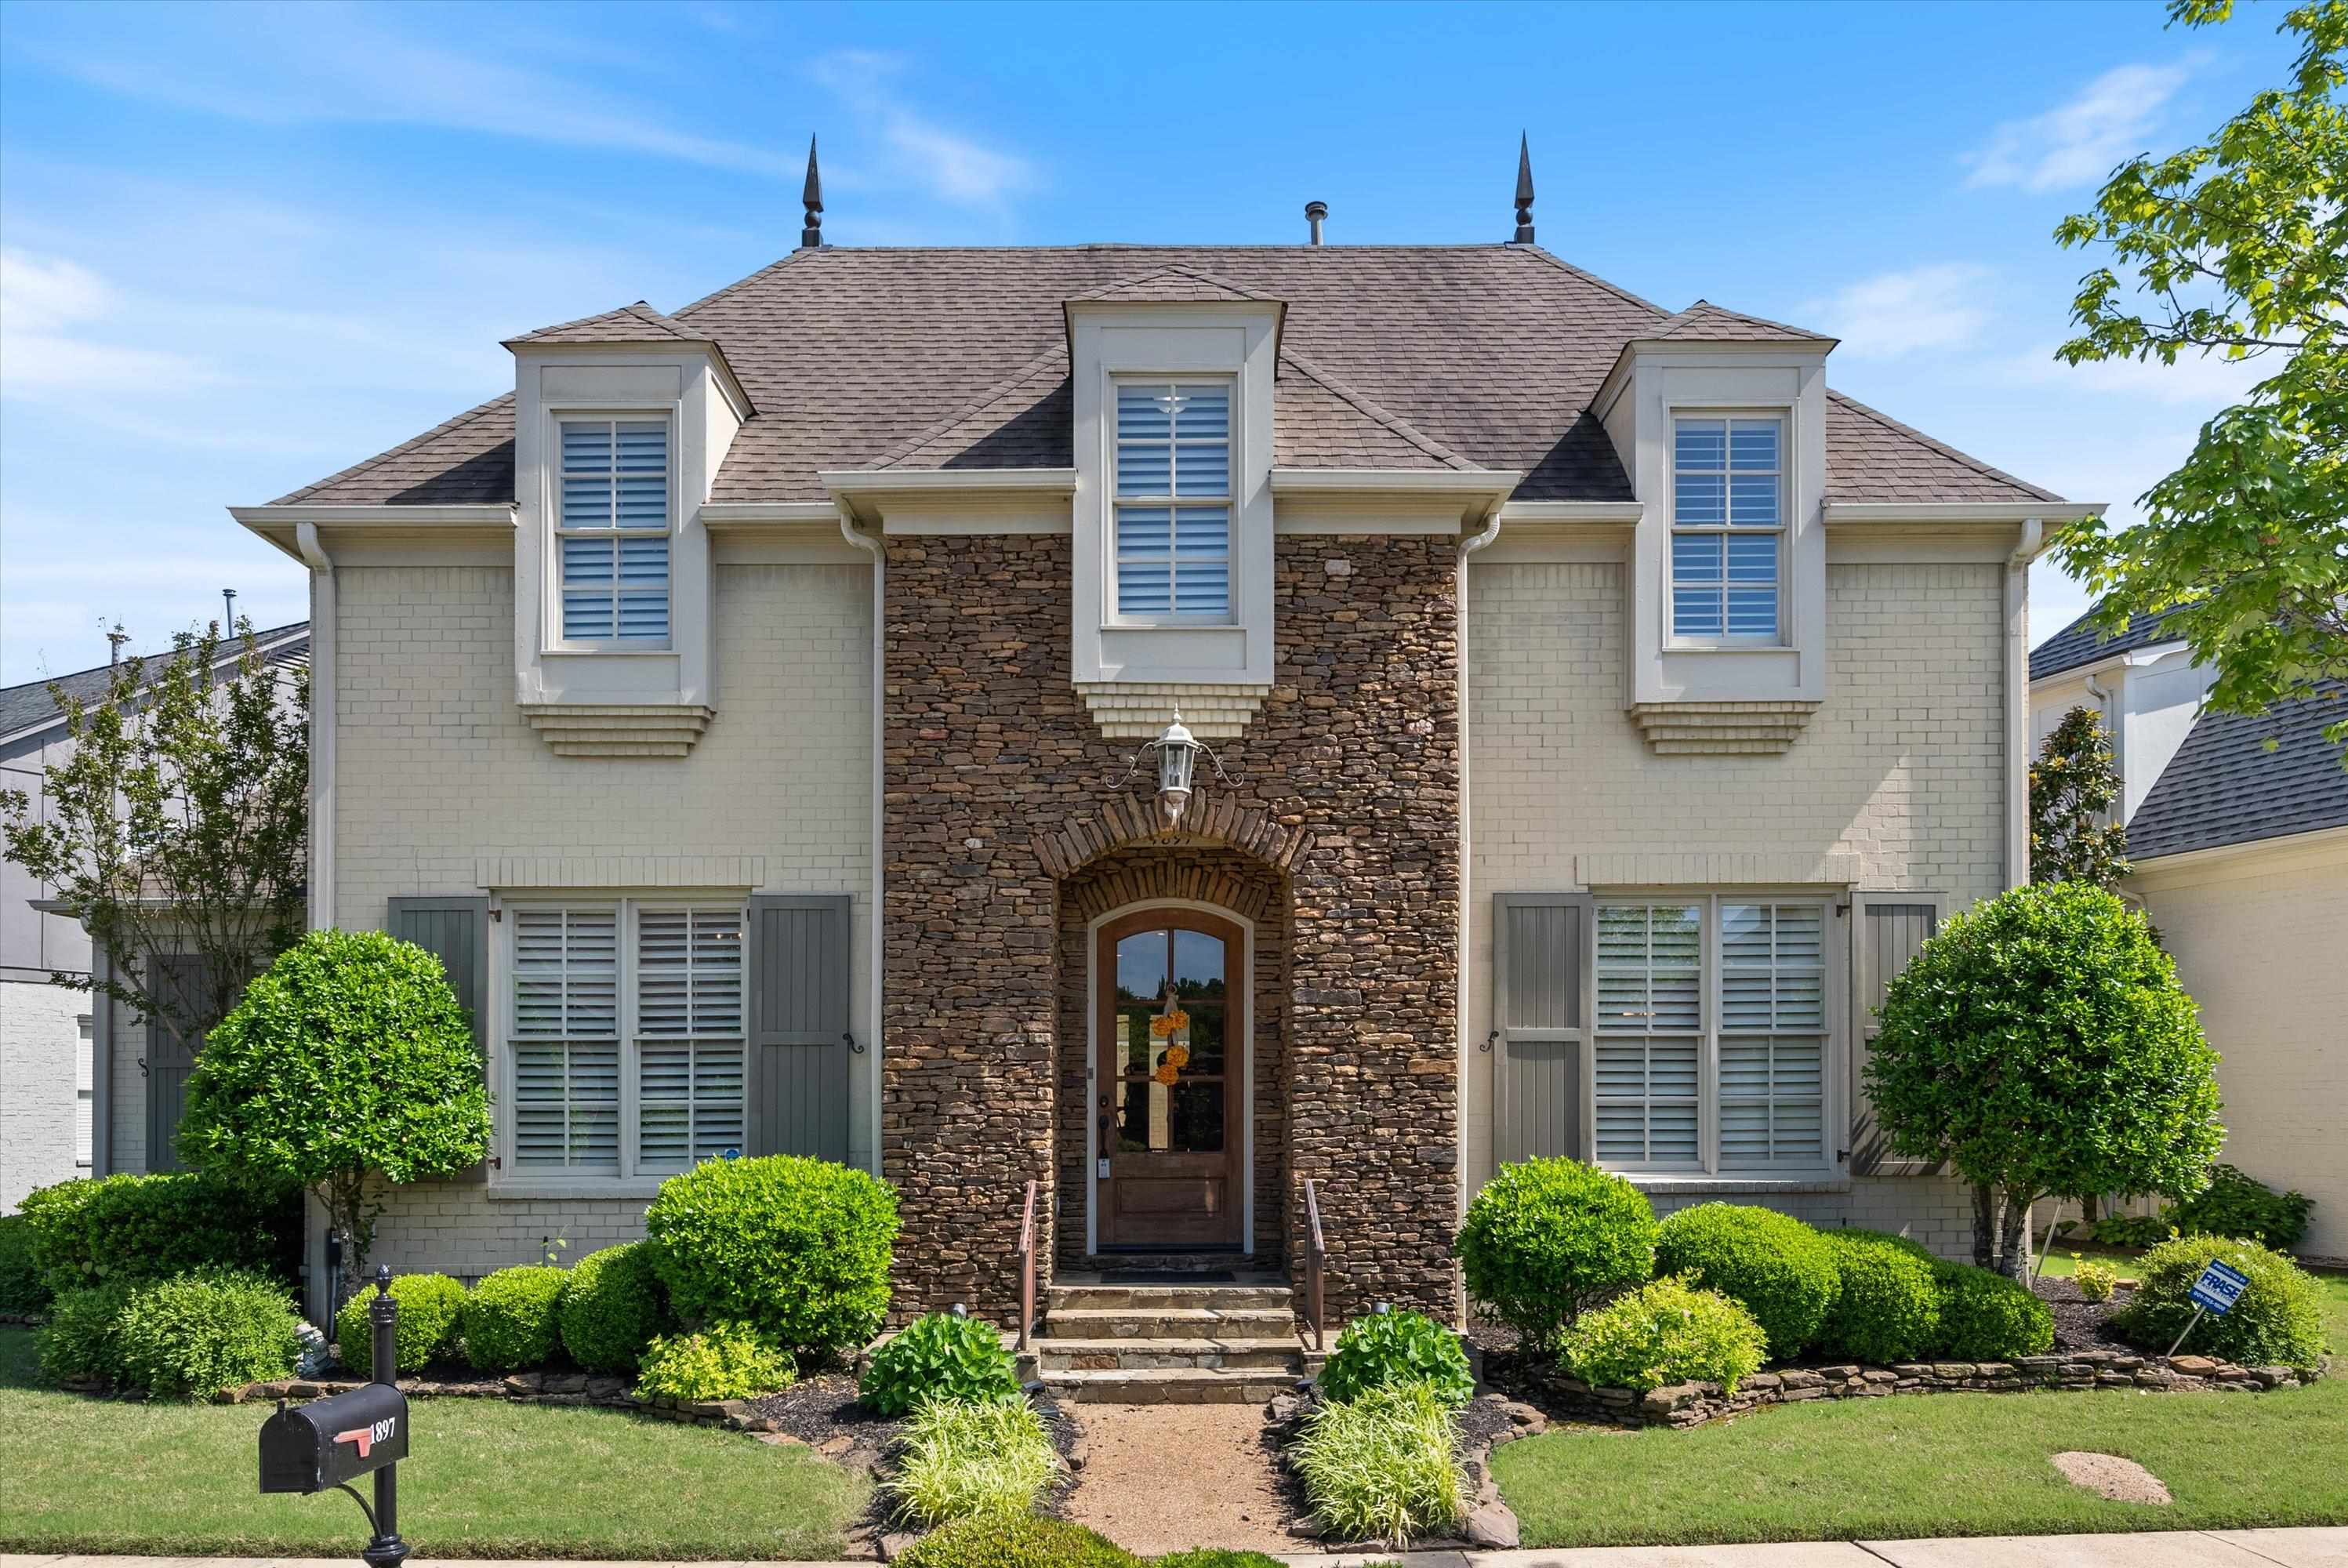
1540,1010
181,980
1887,935
456,930
799,1040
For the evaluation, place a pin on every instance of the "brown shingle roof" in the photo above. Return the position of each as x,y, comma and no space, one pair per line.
1486,356
1704,322
637,323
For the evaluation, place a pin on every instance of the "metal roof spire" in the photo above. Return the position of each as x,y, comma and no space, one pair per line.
811,236
1524,191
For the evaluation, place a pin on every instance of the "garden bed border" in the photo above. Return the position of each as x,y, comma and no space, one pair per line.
572,1388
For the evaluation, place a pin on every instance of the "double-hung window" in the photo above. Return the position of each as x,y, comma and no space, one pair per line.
1728,527
1712,1035
611,532
1173,502
626,1036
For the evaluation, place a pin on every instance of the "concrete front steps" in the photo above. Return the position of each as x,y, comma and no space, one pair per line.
1168,1344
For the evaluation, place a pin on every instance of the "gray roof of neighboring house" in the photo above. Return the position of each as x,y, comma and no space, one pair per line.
31,707
2081,644
1470,356
2225,787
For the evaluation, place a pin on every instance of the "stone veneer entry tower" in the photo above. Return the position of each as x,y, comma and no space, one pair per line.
1008,822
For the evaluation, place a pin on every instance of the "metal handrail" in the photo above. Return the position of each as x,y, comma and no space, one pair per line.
1028,1267
1316,1253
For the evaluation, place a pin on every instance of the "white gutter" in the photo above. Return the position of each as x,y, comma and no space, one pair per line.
871,547
322,723
2017,699
1468,547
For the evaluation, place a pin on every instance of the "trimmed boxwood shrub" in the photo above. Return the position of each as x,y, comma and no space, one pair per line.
1390,1348
1547,1238
2277,1322
724,1361
192,1337
799,1248
1775,1267
1985,1316
940,1356
22,1288
430,1307
153,1227
1886,1304
83,1337
612,1307
1664,1332
509,1319
1016,1540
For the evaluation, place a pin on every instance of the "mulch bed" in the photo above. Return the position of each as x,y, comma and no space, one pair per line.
819,1408
2080,1324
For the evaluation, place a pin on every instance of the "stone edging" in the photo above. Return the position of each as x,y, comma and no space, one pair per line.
532,1389
1488,1522
23,1319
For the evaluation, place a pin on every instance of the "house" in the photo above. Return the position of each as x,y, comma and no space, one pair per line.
2240,851
57,1101
752,705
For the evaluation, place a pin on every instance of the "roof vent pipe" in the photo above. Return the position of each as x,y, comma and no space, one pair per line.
1315,214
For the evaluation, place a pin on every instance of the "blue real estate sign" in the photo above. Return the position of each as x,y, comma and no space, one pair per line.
2218,1288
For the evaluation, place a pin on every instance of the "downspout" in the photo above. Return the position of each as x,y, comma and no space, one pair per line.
1468,547
2017,700
848,531
321,725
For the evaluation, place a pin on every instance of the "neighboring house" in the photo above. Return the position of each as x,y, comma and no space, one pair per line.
745,705
52,1087
2240,857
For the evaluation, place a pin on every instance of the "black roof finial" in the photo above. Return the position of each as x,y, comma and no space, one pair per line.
1524,192
811,236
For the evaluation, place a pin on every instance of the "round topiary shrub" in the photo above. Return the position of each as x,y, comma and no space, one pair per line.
2277,1322
1886,1304
1985,1316
192,1337
1390,1348
1664,1332
430,1308
1016,1540
82,1338
1547,1238
940,1356
509,1321
1775,1267
612,1307
797,1248
724,1361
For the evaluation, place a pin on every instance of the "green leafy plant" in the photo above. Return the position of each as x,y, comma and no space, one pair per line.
612,1307
961,1459
1217,1557
2073,785
1777,1268
2097,1279
431,1307
1016,1540
1389,1347
2277,1321
2132,1230
1668,1331
2041,1045
83,1335
940,1356
192,1337
1986,1316
1546,1238
799,1248
724,1361
128,1227
1886,1304
2234,1204
23,1287
348,1066
1382,1467
509,1319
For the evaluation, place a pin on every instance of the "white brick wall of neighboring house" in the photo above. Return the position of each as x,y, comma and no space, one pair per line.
41,1044
1902,767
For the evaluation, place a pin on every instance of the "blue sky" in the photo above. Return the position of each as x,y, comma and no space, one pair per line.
243,246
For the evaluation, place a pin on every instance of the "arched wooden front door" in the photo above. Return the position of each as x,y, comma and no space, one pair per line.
1170,1082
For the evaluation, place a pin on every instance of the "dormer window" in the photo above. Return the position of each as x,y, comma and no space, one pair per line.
1728,522
612,525
1173,509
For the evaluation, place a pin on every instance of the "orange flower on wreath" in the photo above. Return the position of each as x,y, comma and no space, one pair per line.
1178,1057
1164,1074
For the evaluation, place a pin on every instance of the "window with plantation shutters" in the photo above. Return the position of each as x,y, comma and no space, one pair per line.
1773,1043
1650,974
612,532
689,1035
1728,522
1173,504
566,1040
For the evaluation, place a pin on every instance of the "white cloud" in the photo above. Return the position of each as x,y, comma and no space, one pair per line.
947,164
2080,141
2207,382
1937,306
48,309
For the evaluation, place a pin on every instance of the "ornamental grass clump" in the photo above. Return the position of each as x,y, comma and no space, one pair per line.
1666,1332
508,1320
1389,1347
1775,1267
2277,1321
724,1361
1382,1467
940,1356
960,1460
1547,1238
1888,1306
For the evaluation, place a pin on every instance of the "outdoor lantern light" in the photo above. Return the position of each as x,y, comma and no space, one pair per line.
1178,754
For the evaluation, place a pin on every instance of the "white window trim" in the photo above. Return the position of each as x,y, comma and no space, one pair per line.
1116,618
552,640
509,1180
1835,938
1783,532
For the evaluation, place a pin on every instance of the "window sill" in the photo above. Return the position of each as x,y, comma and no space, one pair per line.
1222,625
538,1189
1697,1182
583,651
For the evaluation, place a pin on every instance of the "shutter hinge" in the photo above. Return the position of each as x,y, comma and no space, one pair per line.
1486,1048
849,1037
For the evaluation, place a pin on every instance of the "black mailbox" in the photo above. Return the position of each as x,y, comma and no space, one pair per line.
330,1442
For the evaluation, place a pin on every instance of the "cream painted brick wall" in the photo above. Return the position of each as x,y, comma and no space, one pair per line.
1902,766
1936,1211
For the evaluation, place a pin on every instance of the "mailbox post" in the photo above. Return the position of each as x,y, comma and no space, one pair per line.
329,1443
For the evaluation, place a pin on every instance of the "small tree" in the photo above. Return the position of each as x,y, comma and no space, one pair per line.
176,825
2042,1046
2072,784
348,1066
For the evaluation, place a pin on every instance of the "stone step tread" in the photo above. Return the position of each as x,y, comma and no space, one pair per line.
1170,1386
1156,1297
1087,1321
1287,1343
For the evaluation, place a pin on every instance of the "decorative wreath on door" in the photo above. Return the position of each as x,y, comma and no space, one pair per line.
1173,1026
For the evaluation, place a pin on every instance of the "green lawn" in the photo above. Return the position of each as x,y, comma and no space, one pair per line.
488,1480
1943,1464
